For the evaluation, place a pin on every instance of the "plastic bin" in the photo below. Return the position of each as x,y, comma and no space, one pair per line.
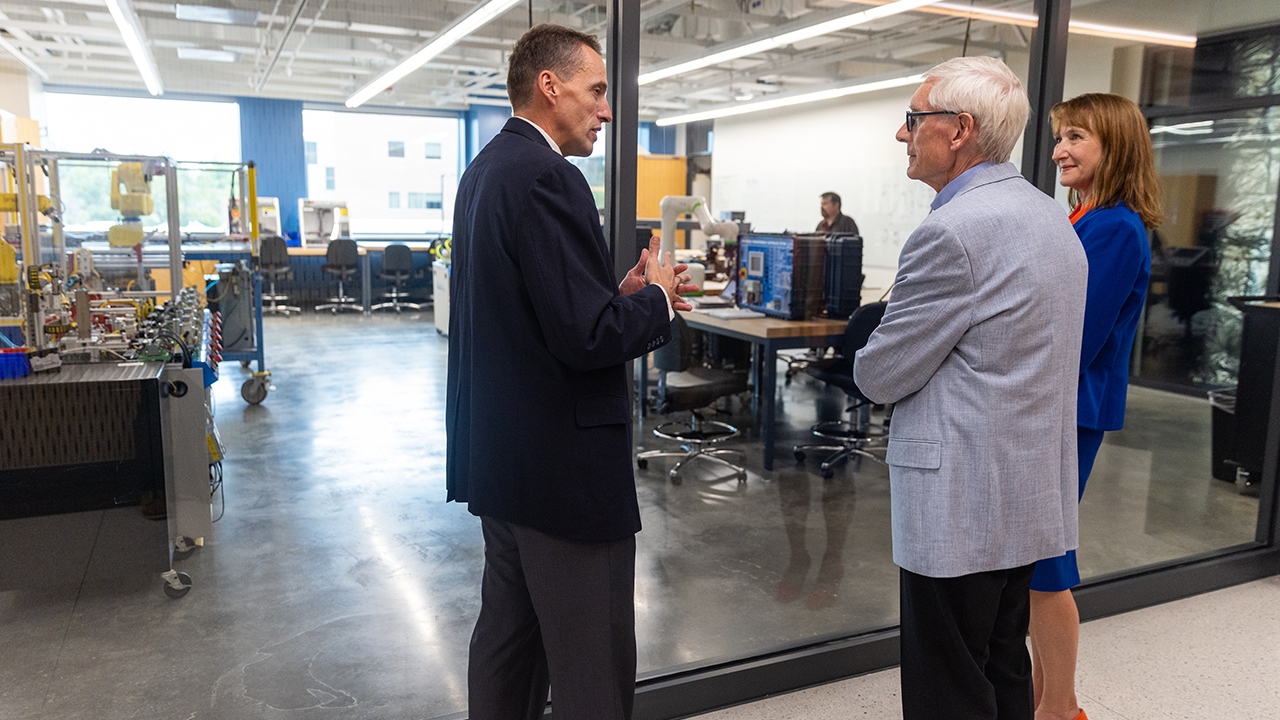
13,363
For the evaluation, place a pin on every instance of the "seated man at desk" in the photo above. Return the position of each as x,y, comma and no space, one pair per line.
834,222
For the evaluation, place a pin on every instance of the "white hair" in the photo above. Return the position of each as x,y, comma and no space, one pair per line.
988,90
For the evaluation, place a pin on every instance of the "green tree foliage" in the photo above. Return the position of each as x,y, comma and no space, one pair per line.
202,196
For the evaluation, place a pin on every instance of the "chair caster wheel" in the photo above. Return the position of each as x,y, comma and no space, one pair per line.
642,463
176,584
742,479
828,474
675,480
183,546
799,456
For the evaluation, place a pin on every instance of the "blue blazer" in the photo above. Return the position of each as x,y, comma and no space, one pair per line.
1115,241
538,411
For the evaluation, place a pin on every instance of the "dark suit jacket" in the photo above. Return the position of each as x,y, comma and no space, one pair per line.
538,412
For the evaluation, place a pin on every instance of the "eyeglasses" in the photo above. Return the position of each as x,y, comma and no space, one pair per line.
912,115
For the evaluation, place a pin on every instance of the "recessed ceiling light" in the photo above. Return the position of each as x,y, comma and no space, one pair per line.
190,53
221,16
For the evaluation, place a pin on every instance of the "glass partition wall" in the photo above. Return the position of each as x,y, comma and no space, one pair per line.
797,568
787,558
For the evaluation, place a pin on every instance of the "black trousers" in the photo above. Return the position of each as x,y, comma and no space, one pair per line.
964,646
557,613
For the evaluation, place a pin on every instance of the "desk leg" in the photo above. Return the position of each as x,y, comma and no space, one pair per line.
768,395
366,282
757,382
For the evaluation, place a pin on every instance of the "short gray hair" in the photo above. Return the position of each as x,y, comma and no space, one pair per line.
987,89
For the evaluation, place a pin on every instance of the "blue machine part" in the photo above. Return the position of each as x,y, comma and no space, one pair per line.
765,273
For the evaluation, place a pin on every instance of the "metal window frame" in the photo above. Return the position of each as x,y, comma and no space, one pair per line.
691,690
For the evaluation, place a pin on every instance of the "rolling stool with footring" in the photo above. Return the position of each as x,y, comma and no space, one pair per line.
341,260
855,436
397,265
682,387
274,262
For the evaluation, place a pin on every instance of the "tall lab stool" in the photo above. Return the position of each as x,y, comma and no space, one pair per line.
684,385
855,437
397,266
274,263
341,261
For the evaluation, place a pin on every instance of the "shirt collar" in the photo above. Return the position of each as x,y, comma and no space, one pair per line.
958,184
545,136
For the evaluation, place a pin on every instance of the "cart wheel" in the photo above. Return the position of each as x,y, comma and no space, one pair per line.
244,363
254,390
183,546
799,456
176,584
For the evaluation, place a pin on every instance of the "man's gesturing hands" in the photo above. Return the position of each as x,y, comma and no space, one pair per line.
652,271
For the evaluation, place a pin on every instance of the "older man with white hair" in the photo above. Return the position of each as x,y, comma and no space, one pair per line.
980,349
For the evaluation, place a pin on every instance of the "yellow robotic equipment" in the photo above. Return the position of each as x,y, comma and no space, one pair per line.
10,287
133,203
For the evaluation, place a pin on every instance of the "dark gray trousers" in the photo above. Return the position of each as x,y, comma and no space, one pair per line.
964,646
557,613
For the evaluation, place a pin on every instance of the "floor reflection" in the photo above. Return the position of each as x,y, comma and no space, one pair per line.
340,582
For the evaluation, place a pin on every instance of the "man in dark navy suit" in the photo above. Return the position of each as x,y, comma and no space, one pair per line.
538,412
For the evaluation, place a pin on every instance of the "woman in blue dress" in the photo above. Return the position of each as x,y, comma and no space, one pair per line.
1104,155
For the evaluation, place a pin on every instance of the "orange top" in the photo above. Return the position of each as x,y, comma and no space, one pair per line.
1080,212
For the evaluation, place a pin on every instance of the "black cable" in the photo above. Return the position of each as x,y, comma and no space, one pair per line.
216,488
187,357
964,51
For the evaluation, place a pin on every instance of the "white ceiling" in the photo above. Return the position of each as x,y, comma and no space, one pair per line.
337,46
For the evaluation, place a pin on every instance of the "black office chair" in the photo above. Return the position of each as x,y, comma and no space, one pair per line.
397,266
855,436
274,263
683,385
341,260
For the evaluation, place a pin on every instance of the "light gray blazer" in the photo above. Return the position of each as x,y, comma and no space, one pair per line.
980,349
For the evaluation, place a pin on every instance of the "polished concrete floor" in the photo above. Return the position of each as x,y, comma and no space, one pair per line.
1215,655
339,583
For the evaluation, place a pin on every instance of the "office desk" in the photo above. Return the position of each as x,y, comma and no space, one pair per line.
767,336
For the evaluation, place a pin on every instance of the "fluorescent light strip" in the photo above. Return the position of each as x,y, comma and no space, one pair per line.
1120,33
480,16
1075,26
131,30
1192,128
784,39
22,58
775,103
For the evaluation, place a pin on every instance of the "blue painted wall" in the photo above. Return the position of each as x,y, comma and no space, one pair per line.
483,122
271,136
661,140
